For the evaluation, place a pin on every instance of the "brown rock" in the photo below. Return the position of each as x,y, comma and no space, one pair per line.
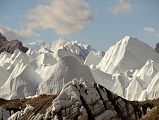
11,46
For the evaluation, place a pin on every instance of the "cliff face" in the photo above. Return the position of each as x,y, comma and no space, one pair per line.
88,101
11,46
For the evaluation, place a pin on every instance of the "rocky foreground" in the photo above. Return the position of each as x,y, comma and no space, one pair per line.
79,100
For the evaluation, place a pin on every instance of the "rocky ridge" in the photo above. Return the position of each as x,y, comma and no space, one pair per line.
11,46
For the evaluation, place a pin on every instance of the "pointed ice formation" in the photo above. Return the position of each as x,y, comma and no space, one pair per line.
22,82
121,82
153,88
46,59
148,71
135,89
128,53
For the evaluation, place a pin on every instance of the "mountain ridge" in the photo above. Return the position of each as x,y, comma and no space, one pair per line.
11,46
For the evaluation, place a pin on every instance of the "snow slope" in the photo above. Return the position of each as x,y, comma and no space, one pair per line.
65,70
94,58
22,82
153,88
46,59
148,71
135,89
121,82
102,78
3,76
128,53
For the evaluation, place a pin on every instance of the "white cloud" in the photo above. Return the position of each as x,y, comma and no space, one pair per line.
9,32
63,16
151,31
121,7
20,34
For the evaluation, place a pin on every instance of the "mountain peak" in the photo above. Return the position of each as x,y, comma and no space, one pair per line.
126,38
128,53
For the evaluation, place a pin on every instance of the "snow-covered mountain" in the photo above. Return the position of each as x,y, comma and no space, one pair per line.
85,80
128,53
79,49
27,74
130,69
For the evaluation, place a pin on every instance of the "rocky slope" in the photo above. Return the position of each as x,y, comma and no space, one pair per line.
11,46
87,101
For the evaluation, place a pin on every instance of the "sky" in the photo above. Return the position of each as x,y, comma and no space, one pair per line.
99,23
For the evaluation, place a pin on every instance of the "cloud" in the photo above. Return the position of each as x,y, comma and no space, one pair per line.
151,31
121,7
9,32
20,34
65,17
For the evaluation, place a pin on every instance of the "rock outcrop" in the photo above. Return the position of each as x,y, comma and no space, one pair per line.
82,100
157,47
11,46
87,101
